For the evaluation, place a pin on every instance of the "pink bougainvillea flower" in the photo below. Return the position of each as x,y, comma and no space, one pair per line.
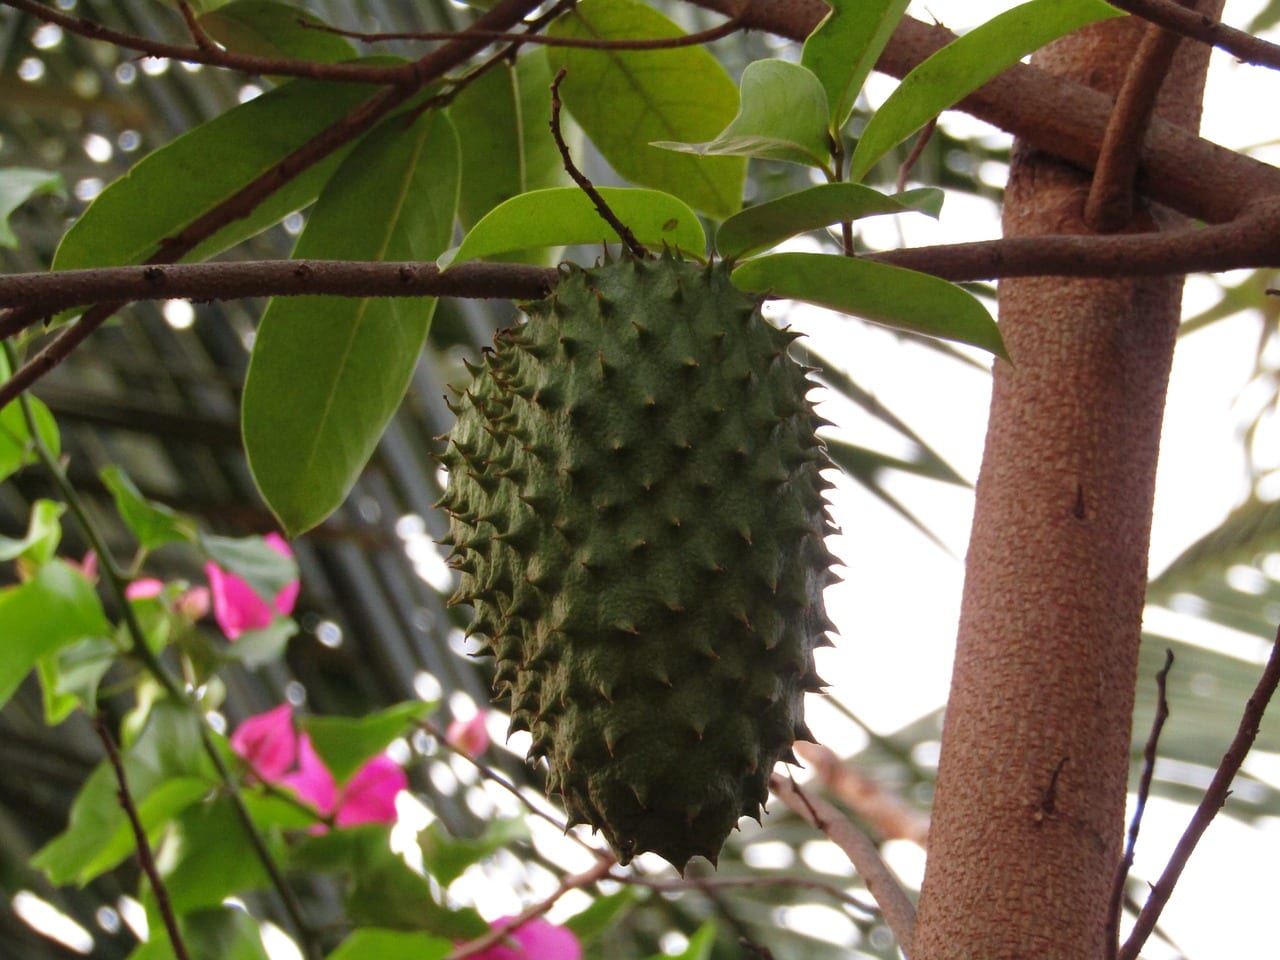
144,589
370,795
278,754
311,780
237,607
88,566
537,939
268,742
468,737
194,604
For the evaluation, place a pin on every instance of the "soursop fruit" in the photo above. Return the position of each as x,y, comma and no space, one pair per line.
637,513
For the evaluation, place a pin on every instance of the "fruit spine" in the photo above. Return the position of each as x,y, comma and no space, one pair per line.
637,514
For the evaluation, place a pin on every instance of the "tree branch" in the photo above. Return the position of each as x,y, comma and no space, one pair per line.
1110,204
896,908
1173,16
1212,801
1176,168
1253,241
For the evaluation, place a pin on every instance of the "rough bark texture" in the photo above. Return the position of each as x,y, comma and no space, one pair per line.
1029,813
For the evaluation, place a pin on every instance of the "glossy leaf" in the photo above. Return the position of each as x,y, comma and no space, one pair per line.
153,524
345,743
964,65
44,532
892,296
560,216
327,373
370,943
167,771
760,227
502,124
17,186
53,609
625,99
783,117
183,180
69,676
264,28
846,45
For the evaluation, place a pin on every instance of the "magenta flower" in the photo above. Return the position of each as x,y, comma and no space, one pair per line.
237,607
536,939
468,737
144,588
278,754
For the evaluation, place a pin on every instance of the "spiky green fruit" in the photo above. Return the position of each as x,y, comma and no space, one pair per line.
637,513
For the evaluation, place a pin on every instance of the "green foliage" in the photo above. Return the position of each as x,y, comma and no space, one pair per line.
55,608
446,857
215,933
893,296
844,48
17,186
44,532
344,743
757,228
154,524
264,28
373,944
964,65
327,373
565,215
783,117
625,100
174,186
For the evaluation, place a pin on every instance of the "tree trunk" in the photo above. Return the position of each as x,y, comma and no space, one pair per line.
1029,814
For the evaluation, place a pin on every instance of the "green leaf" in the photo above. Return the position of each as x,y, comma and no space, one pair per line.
17,186
846,45
69,676
218,933
698,948
382,890
345,743
327,373
16,446
54,609
255,648
167,770
253,560
183,180
44,532
964,65
878,292
153,524
263,28
760,227
503,134
205,857
602,914
445,857
565,215
625,99
783,117
373,944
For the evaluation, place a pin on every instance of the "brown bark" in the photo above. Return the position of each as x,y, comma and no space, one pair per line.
1028,819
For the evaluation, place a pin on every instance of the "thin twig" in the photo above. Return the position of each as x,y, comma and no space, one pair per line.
917,150
1173,16
733,883
145,858
1110,203
895,906
599,871
192,20
1140,804
709,35
1214,797
494,777
611,218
